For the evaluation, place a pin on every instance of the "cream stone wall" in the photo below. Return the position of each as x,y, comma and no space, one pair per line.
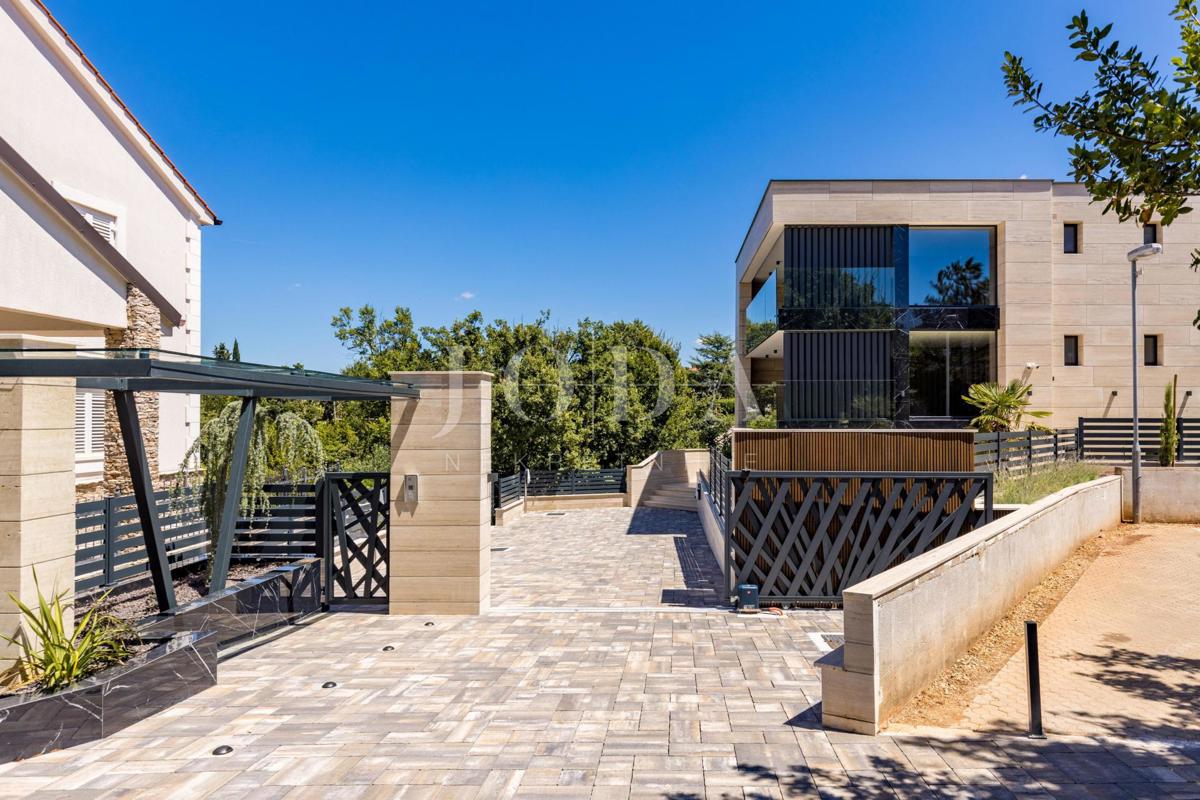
37,491
1043,293
439,547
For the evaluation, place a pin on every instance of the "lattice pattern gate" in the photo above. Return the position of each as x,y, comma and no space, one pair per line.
807,537
354,528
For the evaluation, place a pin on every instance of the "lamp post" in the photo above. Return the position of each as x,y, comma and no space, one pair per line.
1145,251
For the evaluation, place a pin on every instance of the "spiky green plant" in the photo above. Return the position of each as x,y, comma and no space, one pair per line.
1168,431
283,446
1003,408
53,656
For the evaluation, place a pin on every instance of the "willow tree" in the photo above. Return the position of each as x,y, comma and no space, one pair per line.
283,446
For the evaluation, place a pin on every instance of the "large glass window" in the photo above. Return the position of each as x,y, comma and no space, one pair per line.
762,315
950,266
943,365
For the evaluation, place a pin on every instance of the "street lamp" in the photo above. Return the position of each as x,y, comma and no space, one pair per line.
1145,251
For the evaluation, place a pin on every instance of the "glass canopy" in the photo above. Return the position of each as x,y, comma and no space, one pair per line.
151,370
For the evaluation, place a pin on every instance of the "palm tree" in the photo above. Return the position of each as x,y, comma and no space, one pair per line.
1003,408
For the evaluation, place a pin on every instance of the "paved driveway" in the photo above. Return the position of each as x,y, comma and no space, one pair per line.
574,686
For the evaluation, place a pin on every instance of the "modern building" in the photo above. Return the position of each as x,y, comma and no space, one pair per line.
99,230
878,302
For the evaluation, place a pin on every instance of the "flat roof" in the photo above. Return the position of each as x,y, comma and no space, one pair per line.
152,370
771,182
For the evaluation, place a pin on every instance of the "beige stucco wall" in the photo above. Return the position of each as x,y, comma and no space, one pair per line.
59,118
905,625
1043,293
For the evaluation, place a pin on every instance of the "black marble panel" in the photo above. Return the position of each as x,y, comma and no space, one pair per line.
251,607
180,665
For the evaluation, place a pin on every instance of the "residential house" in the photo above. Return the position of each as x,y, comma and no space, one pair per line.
99,230
879,302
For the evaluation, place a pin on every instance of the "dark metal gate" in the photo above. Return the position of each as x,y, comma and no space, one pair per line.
354,511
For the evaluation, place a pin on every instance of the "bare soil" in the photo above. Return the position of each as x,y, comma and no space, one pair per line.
135,601
943,702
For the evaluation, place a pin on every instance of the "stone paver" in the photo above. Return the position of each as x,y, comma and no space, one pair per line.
606,557
1120,655
564,698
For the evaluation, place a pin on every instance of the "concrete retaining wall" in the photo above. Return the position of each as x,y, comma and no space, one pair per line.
573,502
1169,494
907,624
714,532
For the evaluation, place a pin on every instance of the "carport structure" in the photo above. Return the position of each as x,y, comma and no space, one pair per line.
126,371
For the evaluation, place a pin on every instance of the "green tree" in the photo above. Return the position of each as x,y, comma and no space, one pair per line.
235,353
711,378
1136,134
959,283
1168,429
221,352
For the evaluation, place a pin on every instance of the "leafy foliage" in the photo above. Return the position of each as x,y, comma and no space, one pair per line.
1003,408
283,445
1168,430
54,656
596,395
1137,134
711,378
960,283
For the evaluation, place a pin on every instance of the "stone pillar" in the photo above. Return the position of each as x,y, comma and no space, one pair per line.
37,489
144,330
439,545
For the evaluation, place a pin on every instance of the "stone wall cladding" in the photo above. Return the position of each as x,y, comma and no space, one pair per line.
144,330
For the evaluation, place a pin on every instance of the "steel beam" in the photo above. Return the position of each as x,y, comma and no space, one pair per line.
233,495
143,493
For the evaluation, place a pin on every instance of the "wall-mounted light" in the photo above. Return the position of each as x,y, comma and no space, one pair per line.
1113,393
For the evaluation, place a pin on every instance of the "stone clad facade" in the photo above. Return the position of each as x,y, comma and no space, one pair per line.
1039,294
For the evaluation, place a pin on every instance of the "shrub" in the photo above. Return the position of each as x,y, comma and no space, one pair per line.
1033,486
53,658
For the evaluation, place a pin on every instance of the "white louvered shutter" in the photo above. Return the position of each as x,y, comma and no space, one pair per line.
105,224
81,423
89,423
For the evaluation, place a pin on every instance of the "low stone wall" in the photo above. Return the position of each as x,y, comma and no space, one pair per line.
905,625
574,502
1169,494
508,514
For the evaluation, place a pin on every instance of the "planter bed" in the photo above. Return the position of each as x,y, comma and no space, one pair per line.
249,608
178,666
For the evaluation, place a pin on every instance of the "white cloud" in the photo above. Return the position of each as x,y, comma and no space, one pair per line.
466,296
1024,177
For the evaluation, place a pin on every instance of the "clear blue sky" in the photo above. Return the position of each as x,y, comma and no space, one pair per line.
599,160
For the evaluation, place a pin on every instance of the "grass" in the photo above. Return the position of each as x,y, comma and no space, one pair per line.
1028,488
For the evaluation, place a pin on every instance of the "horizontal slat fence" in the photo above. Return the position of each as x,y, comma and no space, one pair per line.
575,481
1017,451
1111,439
507,488
854,450
110,549
286,528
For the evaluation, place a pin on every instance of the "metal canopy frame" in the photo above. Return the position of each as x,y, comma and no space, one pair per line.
124,371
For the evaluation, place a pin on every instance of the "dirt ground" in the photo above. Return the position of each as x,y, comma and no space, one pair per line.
136,600
943,702
1119,641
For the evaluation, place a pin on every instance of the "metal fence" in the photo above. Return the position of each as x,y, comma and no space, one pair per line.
1017,451
507,488
110,548
575,481
805,537
1111,439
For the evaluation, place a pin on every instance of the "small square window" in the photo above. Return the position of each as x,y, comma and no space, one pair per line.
1071,351
1152,350
1070,237
1149,233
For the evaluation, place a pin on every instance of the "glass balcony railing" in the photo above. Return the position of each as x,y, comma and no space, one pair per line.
762,315
824,404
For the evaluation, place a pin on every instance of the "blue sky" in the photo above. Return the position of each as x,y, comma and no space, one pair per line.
598,160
